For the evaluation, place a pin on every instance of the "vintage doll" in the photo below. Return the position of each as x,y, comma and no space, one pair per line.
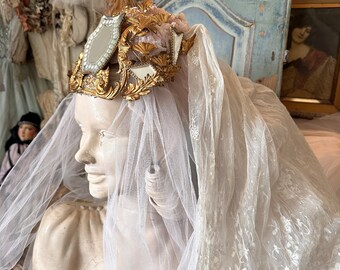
22,135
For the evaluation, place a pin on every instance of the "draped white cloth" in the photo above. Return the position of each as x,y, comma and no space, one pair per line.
262,200
323,136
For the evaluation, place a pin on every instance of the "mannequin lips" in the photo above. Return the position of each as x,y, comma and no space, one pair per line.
95,178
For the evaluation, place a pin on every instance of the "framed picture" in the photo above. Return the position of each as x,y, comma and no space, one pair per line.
310,77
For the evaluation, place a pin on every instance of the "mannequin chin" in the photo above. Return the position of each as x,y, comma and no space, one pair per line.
98,191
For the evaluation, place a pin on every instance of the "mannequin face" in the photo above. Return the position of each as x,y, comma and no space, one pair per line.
98,146
27,132
300,34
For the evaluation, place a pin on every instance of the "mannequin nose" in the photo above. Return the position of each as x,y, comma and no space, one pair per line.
85,157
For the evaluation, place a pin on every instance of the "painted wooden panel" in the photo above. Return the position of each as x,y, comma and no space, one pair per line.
248,34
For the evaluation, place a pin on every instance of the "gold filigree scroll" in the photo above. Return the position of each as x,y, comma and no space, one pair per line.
94,85
141,88
76,78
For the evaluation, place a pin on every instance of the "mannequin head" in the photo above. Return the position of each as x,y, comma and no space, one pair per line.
99,147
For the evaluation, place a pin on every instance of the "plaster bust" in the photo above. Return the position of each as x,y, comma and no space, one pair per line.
103,150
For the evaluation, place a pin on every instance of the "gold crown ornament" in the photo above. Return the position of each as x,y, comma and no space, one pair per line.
142,41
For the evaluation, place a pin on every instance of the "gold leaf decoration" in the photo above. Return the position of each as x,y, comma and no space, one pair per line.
161,60
76,78
144,48
169,71
187,44
145,5
161,18
101,81
142,87
142,21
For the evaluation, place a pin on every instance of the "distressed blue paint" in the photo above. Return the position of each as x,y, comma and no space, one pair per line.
232,25
223,48
266,30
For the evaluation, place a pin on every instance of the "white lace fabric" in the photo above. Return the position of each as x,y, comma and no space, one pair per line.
262,201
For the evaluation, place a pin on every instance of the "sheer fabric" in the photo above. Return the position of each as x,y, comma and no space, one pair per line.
323,136
262,200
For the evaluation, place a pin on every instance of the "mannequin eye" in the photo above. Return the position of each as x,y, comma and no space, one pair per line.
106,134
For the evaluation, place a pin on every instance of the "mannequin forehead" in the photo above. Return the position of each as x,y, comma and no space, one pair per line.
96,112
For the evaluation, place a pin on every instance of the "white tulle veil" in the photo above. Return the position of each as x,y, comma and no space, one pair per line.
261,200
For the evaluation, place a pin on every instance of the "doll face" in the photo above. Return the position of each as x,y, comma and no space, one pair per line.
27,132
99,147
300,34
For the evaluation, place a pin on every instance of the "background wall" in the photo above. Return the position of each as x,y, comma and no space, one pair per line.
249,34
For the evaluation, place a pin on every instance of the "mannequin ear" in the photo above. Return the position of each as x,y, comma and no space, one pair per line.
153,172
